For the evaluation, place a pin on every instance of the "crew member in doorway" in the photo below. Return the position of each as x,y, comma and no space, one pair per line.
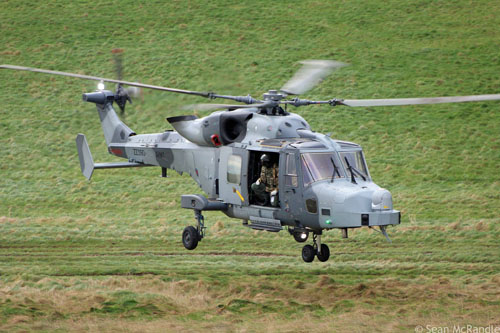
266,187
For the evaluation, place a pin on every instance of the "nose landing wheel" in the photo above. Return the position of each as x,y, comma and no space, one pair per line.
317,249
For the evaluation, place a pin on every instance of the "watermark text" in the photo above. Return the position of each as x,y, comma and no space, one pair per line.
457,329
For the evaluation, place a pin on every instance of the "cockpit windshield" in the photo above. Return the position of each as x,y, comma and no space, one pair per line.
319,166
356,161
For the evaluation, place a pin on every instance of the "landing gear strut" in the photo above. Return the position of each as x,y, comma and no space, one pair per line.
317,249
191,235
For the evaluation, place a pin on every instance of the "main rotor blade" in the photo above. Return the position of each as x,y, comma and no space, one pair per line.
309,75
414,101
96,78
207,107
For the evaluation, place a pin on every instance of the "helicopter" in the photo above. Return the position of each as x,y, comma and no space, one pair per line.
256,161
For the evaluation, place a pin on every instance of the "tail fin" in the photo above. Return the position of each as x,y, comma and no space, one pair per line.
86,160
114,129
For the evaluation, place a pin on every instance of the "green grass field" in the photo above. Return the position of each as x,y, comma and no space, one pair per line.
106,255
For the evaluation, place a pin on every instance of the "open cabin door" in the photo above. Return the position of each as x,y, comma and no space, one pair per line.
233,179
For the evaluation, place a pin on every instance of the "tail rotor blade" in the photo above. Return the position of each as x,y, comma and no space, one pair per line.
134,92
118,59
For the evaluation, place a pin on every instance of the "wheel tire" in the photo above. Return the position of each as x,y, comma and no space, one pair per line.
324,254
297,235
190,238
308,253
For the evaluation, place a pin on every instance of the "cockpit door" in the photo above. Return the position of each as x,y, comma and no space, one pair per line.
233,187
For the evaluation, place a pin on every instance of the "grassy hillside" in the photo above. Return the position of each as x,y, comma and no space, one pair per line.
106,255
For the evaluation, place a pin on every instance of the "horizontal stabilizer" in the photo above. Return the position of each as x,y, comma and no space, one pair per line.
87,162
113,165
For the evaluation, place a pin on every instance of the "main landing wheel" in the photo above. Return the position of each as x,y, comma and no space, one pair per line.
324,254
190,238
308,253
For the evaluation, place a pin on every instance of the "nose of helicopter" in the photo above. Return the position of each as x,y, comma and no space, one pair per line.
357,206
381,200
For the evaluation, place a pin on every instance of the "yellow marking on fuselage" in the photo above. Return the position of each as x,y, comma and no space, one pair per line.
241,197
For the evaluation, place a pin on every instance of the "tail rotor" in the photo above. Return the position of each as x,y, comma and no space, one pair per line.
122,95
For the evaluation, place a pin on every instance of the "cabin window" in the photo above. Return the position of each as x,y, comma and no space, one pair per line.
234,169
291,171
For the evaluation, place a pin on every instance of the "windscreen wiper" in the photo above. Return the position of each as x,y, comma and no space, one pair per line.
354,170
362,175
335,169
349,167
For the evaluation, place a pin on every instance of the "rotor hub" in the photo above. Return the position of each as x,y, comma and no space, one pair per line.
273,95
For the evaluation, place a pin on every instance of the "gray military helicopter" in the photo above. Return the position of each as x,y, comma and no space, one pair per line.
319,183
